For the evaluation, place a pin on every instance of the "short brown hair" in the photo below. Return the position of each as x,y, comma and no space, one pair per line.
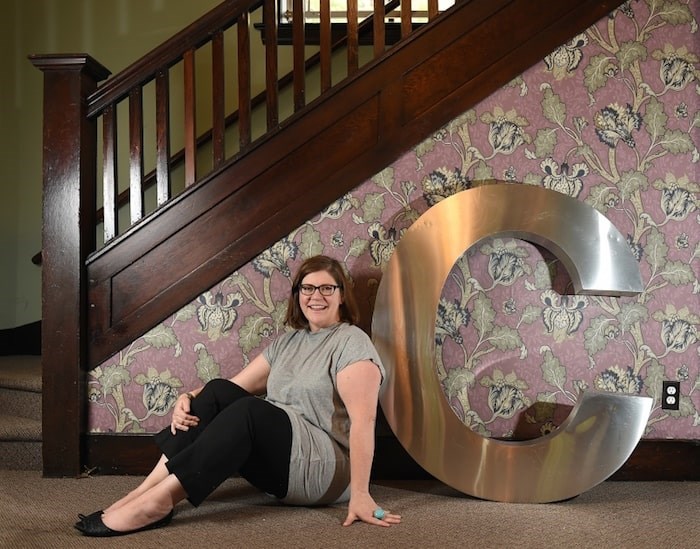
348,308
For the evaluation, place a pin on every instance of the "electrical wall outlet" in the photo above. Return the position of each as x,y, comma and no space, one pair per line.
671,395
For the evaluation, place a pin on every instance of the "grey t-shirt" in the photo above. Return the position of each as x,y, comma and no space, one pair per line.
303,382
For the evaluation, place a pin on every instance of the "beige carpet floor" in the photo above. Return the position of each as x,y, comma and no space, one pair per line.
38,512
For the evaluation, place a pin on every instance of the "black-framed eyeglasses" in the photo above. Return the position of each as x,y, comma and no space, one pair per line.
324,289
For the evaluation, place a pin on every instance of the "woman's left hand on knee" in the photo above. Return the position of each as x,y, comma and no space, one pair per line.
182,419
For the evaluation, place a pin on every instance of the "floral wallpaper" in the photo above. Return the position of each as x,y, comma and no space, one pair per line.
610,118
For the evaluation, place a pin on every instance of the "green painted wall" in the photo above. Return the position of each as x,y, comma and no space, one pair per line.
115,33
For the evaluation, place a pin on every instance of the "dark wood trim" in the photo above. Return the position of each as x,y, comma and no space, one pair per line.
119,454
675,460
312,33
652,460
68,235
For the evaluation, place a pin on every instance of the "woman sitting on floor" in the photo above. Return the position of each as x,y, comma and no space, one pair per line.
309,441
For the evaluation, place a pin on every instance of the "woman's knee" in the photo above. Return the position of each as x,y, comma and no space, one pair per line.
221,390
216,384
216,395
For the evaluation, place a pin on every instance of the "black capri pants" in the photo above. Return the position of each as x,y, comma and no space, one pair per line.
238,433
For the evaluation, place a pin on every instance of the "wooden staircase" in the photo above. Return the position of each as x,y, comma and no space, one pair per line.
97,301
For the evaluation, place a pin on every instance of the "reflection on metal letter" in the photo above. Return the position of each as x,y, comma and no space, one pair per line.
602,429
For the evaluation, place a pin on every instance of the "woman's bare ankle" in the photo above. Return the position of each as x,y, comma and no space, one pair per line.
123,501
136,513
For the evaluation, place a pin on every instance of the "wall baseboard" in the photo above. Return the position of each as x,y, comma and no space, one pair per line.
652,460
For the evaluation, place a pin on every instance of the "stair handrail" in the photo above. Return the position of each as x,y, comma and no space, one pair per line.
129,85
285,80
169,53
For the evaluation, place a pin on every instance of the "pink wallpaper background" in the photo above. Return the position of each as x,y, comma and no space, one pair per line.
612,119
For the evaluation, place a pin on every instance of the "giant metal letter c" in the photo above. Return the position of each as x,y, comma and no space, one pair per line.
602,429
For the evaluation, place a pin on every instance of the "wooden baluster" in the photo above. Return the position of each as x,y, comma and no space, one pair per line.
353,39
136,154
163,187
109,173
406,18
299,55
432,9
244,123
190,120
378,28
325,45
270,21
218,99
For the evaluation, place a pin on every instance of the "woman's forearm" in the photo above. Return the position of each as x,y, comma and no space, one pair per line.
361,456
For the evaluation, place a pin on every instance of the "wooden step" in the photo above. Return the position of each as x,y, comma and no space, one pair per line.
21,372
20,456
19,429
20,386
20,443
20,420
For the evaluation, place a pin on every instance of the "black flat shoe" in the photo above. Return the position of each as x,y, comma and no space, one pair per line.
81,518
93,526
97,513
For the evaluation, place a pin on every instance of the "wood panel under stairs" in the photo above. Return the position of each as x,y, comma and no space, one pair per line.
20,413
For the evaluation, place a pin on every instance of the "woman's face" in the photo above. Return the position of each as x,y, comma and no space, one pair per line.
320,310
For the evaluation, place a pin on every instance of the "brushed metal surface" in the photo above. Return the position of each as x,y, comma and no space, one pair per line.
602,429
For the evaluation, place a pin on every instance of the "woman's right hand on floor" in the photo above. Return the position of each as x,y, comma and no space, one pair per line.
182,420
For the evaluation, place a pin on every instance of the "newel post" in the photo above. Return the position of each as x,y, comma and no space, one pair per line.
68,236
